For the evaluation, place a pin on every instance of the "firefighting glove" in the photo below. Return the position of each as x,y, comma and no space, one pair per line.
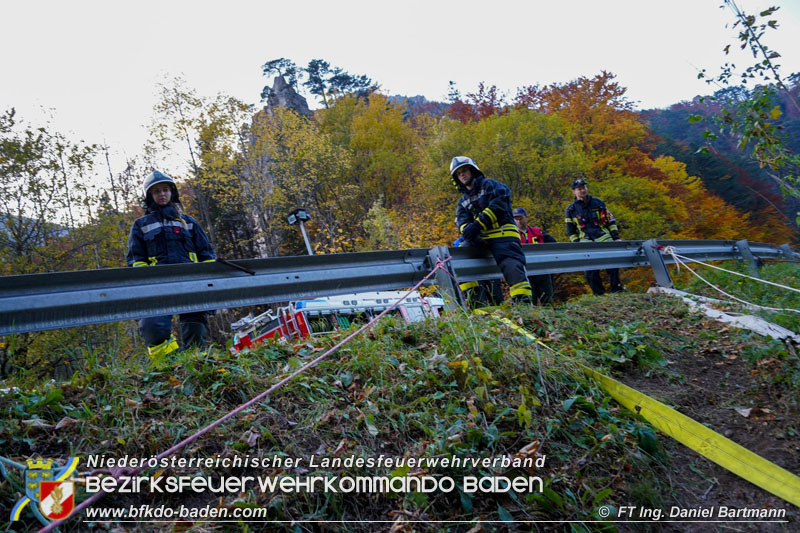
471,232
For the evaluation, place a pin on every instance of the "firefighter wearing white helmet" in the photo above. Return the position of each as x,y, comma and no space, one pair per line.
484,219
159,177
165,235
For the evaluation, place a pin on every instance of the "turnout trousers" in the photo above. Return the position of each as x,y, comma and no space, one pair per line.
508,255
157,332
595,281
542,287
507,252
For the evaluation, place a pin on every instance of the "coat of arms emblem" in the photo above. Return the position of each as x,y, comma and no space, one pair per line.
57,499
49,485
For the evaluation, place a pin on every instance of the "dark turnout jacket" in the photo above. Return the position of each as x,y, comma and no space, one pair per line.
590,220
489,204
163,237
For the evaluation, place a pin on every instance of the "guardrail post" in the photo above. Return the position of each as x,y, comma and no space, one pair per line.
448,289
663,278
789,253
747,255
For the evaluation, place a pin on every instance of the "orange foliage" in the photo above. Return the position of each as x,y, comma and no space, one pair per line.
618,142
480,105
608,125
710,217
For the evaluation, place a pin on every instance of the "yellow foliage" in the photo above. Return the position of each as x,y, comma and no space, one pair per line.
708,216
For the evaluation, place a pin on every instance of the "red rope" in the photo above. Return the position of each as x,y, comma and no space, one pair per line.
117,472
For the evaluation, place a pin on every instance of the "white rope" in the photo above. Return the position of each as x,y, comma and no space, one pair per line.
674,254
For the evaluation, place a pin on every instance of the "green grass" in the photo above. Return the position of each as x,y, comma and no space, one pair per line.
755,292
461,386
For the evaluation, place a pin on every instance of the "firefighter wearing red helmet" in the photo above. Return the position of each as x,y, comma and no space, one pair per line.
483,217
165,235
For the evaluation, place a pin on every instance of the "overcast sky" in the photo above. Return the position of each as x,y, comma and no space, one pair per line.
97,63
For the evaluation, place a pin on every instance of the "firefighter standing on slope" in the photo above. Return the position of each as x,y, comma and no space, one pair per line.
483,217
588,220
167,236
542,285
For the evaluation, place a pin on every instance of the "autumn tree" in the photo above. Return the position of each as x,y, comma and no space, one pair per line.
481,104
176,122
604,118
384,148
44,196
321,79
388,163
299,166
380,230
751,116
257,168
224,146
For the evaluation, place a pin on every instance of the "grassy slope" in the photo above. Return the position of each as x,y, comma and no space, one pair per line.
459,386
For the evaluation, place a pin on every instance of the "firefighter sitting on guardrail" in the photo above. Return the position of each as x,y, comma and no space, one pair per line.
165,235
588,219
483,217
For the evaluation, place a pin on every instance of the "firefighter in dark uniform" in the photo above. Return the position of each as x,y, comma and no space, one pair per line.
588,219
482,292
483,217
541,285
165,235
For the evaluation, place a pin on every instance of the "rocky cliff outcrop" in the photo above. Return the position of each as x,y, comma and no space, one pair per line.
284,95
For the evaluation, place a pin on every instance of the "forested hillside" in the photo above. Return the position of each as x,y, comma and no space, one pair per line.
727,169
374,175
373,172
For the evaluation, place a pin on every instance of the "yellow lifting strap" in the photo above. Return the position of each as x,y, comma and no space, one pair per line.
703,440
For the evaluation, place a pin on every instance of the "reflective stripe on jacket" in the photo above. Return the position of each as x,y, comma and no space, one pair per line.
590,221
160,237
489,204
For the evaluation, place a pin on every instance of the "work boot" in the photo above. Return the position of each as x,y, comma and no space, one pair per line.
163,348
522,299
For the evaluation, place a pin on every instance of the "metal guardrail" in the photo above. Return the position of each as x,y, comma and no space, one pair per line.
552,258
66,299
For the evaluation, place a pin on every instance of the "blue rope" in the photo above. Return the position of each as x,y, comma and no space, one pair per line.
9,462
